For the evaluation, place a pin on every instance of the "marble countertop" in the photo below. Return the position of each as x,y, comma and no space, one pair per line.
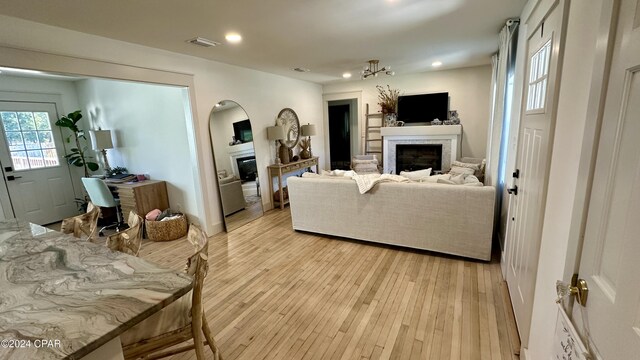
61,297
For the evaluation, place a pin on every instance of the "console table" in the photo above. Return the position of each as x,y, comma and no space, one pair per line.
276,170
142,196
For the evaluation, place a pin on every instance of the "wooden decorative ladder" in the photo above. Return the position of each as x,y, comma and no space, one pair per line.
373,130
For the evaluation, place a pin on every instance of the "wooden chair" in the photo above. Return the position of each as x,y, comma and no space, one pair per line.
86,223
151,338
128,241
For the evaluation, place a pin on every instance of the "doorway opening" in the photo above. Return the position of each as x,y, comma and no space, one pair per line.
343,132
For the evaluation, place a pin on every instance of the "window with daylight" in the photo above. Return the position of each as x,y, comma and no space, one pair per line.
538,74
30,139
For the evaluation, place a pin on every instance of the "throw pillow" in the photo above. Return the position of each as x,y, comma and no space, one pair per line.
458,179
477,167
473,184
466,165
360,162
435,178
458,170
445,181
416,175
470,179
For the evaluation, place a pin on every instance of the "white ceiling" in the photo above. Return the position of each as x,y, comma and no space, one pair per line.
328,37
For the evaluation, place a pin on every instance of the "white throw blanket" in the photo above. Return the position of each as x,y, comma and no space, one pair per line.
366,182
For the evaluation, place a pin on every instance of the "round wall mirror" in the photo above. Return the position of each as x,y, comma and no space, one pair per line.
289,119
235,163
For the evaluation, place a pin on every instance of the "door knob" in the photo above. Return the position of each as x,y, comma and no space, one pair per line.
513,190
579,289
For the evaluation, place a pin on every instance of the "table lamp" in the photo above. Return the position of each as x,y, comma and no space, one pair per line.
276,133
308,130
101,140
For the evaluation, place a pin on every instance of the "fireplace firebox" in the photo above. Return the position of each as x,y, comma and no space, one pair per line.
412,157
247,168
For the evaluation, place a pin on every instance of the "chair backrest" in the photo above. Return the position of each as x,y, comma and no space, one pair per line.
86,223
99,192
197,267
128,241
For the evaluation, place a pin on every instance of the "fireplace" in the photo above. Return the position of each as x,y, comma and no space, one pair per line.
446,136
412,157
247,168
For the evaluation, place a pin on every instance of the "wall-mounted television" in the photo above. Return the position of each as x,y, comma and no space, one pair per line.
242,131
423,108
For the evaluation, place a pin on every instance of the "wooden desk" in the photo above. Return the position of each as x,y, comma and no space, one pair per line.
279,170
142,196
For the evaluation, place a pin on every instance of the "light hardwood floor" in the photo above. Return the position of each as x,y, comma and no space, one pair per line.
273,293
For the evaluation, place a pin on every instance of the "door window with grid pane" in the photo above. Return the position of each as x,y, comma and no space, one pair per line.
30,139
538,74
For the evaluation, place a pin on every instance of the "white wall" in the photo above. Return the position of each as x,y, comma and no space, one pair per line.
61,92
262,95
222,132
469,93
149,132
565,202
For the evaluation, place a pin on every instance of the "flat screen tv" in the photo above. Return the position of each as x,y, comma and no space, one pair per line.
242,131
423,108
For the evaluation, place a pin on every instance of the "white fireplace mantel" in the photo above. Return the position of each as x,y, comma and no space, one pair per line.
237,152
446,135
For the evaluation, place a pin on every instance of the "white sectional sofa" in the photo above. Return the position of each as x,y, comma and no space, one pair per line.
451,219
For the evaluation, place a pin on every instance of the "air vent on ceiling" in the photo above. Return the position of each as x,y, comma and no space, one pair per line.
302,70
200,41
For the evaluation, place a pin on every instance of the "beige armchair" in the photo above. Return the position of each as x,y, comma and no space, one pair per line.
231,194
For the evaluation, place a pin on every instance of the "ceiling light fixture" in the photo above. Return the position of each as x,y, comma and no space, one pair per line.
436,63
200,41
373,70
346,75
233,38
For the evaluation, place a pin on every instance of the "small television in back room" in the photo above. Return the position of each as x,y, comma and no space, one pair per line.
423,108
242,131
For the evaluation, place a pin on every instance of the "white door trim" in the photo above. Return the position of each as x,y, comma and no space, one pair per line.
201,157
325,118
6,208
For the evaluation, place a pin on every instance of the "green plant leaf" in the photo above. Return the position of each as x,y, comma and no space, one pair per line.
92,166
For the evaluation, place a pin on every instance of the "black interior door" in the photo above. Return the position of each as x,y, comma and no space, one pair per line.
340,136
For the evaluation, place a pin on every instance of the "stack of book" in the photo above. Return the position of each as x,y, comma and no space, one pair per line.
122,178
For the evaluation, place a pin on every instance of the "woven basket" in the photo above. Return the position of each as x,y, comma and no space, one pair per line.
166,230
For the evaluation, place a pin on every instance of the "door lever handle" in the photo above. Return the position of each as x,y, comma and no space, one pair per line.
513,190
11,177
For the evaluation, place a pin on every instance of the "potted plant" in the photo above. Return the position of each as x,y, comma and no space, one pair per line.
388,101
77,156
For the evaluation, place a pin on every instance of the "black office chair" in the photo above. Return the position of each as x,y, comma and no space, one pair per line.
101,196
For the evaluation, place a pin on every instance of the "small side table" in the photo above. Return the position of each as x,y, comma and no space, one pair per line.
276,170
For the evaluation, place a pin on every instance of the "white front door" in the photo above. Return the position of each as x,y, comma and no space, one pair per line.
611,249
33,164
533,159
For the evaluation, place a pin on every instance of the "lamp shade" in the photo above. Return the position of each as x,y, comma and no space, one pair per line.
308,130
101,139
275,132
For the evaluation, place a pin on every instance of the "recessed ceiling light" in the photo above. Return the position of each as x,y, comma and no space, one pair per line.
233,38
200,41
301,69
346,75
436,63
21,71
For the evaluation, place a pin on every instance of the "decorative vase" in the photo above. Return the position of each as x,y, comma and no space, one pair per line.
304,154
390,119
284,154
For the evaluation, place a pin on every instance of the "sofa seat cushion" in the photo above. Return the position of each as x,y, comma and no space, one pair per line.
416,175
